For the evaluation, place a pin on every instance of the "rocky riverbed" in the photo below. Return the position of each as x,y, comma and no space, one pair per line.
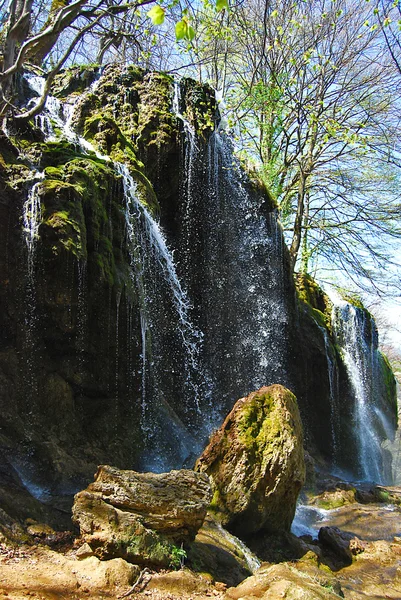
55,565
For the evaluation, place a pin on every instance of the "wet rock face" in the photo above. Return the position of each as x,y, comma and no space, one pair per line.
72,378
141,516
255,463
72,384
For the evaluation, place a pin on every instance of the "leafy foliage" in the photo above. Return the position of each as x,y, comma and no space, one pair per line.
177,557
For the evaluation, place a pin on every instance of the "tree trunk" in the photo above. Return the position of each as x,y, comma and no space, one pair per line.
297,234
14,33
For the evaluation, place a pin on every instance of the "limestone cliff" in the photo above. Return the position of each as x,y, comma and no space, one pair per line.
119,344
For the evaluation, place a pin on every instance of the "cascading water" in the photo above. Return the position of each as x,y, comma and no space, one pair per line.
231,259
170,344
52,114
60,115
31,220
212,325
356,334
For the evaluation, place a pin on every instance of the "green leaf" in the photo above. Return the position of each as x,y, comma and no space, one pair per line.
190,34
180,30
156,14
220,4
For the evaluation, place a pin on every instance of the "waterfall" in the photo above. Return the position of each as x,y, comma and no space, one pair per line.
356,335
170,361
31,219
61,115
207,322
231,259
52,114
170,343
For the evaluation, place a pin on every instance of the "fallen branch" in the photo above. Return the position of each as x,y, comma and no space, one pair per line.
144,577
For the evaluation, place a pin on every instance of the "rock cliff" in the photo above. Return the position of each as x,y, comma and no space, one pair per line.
123,345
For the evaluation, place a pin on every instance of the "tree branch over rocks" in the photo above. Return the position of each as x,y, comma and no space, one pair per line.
20,43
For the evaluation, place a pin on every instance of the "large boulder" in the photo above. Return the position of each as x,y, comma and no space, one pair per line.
141,517
256,464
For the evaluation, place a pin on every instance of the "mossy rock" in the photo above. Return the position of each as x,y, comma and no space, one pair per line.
334,499
389,385
311,293
200,106
55,154
156,123
139,546
74,80
63,223
255,463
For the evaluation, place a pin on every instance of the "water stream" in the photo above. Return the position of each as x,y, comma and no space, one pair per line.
356,334
231,260
170,343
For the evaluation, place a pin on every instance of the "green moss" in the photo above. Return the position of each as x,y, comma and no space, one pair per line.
75,195
352,298
383,496
260,427
53,172
309,291
62,214
321,318
389,383
58,153
108,137
316,302
74,80
217,503
69,231
200,106
330,504
148,547
55,185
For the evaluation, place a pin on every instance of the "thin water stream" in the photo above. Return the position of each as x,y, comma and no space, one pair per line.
356,335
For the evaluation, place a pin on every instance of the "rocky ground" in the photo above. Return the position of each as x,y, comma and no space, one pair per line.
159,536
65,572
41,573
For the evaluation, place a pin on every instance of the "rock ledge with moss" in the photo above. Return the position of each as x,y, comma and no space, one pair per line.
141,517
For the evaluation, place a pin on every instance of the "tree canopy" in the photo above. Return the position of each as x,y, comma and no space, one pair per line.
312,91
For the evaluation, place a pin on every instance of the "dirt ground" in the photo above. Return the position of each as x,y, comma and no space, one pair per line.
40,573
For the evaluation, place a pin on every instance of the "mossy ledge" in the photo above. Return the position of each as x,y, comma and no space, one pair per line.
314,299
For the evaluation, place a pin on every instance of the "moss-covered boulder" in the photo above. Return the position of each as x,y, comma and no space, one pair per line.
255,463
141,517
